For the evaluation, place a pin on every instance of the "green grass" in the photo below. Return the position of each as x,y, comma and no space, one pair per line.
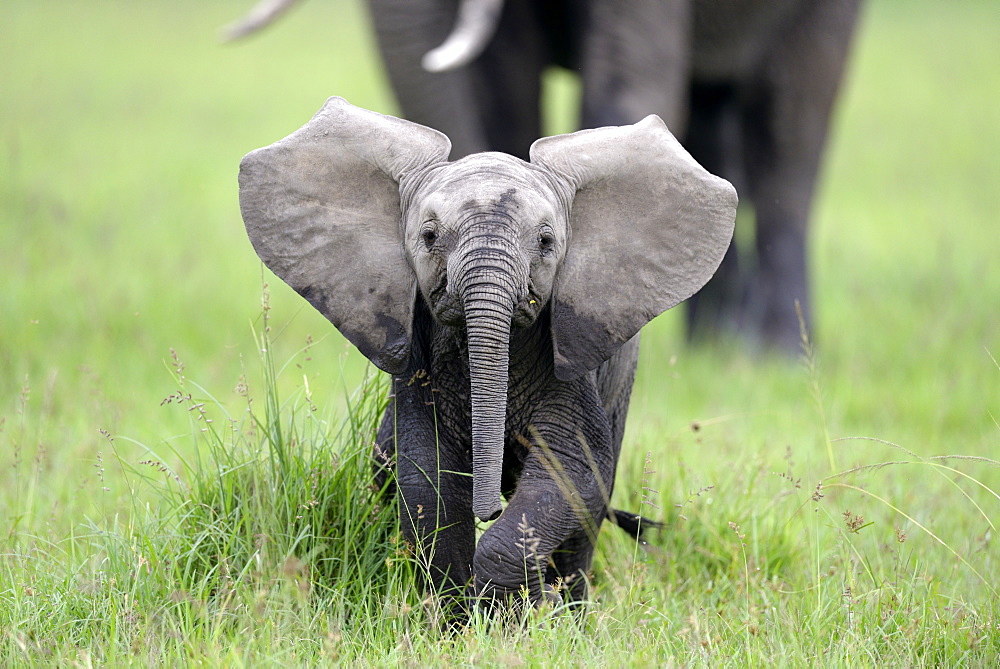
810,516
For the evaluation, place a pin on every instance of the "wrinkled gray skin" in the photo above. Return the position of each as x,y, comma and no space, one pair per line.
748,85
504,297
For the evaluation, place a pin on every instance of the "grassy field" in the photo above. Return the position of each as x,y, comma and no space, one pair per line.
182,470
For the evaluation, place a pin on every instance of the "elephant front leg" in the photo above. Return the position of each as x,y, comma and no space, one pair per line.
542,545
434,487
435,513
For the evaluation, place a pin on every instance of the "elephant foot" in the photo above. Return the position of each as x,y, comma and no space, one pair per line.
491,595
760,321
778,314
512,604
784,335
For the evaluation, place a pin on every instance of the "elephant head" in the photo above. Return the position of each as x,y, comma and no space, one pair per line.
358,212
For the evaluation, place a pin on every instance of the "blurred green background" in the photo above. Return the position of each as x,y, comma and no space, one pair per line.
122,125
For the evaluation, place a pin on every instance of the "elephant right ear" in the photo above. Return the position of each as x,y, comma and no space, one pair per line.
322,210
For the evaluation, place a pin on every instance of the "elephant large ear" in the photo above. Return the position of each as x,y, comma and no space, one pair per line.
648,228
322,210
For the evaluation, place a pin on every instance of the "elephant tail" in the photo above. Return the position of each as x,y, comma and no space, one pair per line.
634,524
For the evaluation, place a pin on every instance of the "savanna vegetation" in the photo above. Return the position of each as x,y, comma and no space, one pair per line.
184,442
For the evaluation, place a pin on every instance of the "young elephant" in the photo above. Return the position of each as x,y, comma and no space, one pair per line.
504,297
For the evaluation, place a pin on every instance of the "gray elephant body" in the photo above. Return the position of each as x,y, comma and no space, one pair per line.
748,85
426,437
505,297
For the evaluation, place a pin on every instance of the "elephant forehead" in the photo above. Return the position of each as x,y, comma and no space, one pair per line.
491,180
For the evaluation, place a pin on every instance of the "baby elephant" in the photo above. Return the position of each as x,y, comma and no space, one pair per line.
505,298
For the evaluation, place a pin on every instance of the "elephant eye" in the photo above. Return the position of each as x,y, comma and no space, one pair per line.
429,235
545,242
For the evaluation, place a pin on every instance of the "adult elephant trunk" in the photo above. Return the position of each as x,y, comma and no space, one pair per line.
491,280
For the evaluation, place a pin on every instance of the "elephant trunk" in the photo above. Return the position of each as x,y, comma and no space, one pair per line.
488,326
489,291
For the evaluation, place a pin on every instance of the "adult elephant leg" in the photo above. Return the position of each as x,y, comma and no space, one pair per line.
635,56
408,29
714,137
559,503
506,80
435,498
786,119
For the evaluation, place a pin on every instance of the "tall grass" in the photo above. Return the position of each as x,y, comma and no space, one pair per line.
274,518
270,544
282,487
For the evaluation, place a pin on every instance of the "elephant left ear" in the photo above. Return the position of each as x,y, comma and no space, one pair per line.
648,228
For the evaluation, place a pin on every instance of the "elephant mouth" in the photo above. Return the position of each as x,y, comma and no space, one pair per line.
446,306
449,309
527,309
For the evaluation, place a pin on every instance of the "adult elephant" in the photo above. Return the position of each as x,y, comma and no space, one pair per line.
748,85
